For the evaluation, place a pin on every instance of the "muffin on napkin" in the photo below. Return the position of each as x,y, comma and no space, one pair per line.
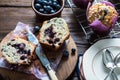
102,17
53,33
18,51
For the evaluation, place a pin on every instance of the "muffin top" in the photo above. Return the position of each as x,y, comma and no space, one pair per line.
103,12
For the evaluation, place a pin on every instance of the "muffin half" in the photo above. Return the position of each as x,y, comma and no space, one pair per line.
53,33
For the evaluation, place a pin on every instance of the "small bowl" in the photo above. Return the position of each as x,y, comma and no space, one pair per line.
42,16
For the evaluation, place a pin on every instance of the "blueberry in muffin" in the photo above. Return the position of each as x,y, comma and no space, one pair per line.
17,51
102,17
53,33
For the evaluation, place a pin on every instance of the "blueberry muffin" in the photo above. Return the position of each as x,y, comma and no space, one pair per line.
102,16
17,51
53,33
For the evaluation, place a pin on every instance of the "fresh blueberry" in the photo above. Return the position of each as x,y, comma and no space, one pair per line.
44,6
65,53
52,11
50,3
41,10
54,4
44,2
73,50
39,1
55,0
48,8
36,29
38,6
58,6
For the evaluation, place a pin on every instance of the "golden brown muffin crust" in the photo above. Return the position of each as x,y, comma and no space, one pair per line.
103,12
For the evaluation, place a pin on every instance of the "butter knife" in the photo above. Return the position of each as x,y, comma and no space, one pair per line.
42,56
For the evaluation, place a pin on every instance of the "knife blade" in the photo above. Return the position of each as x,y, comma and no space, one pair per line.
41,55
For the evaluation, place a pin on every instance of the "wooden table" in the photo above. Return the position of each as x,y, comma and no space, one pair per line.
13,11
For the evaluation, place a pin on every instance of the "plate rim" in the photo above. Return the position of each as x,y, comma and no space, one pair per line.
97,44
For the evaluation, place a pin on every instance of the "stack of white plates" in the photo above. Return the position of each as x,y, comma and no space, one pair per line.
92,67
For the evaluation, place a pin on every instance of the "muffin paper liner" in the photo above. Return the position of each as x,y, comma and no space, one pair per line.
99,28
97,25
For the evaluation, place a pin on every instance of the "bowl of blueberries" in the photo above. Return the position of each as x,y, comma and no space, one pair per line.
46,9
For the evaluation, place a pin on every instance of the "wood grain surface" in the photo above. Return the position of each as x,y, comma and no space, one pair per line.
13,11
15,3
65,67
9,16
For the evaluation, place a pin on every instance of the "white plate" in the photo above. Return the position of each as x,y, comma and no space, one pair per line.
93,67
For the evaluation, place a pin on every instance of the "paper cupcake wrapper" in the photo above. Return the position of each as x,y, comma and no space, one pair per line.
97,25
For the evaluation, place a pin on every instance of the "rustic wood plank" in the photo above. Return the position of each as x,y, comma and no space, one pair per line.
20,3
16,10
12,11
15,2
11,15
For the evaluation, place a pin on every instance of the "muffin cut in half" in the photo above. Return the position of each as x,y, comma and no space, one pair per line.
17,51
53,33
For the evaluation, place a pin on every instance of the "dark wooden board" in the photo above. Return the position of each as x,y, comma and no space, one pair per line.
64,69
9,16
15,2
12,11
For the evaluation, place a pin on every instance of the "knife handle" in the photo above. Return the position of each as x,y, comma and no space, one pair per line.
52,75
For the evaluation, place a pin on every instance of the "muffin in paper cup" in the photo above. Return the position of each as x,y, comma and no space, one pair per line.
102,17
